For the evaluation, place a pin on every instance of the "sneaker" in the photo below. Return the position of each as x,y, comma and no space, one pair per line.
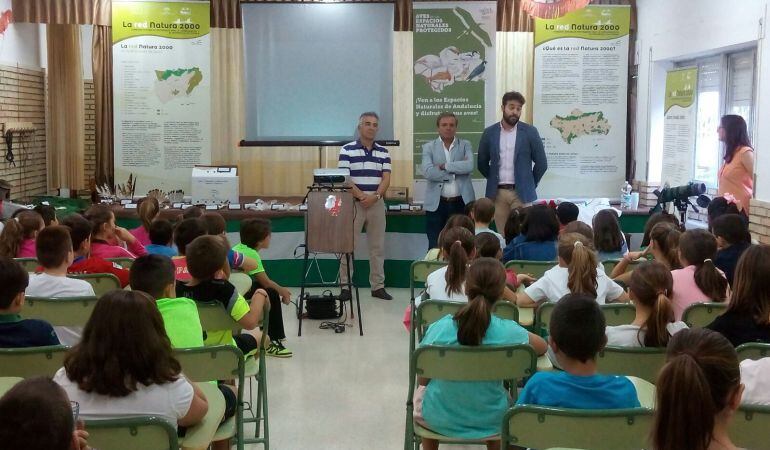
278,350
345,295
381,293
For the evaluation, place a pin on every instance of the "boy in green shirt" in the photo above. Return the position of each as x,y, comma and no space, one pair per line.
255,236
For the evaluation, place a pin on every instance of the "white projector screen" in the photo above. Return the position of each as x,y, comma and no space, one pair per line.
312,69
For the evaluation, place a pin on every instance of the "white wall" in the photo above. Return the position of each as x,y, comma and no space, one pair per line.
20,45
674,30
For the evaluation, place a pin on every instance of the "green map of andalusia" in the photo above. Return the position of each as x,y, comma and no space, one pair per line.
174,83
578,123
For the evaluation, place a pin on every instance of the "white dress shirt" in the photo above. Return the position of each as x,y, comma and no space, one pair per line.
507,151
449,189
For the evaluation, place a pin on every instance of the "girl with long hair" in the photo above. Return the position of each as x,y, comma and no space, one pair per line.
471,410
576,273
448,283
736,176
147,211
698,280
663,247
697,393
649,289
539,232
17,239
105,235
608,239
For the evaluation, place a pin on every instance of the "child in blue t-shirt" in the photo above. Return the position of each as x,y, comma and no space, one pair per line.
16,332
576,336
471,410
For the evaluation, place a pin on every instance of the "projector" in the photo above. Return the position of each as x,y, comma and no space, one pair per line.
328,177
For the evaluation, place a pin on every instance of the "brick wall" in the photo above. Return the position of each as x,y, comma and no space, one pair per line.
22,99
90,132
759,221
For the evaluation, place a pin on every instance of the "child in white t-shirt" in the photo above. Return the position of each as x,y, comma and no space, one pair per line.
755,376
54,251
448,282
576,273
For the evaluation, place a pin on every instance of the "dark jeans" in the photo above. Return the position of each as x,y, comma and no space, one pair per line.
435,220
275,327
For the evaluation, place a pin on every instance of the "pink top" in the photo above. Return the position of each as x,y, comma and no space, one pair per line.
101,249
27,249
141,235
180,262
686,292
735,179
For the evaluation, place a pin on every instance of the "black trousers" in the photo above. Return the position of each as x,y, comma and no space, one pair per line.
435,220
275,326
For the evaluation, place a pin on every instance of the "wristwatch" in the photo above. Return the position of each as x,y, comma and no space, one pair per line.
378,195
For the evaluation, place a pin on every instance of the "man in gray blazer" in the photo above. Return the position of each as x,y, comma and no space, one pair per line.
512,159
447,163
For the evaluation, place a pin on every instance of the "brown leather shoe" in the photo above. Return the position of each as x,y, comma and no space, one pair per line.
381,293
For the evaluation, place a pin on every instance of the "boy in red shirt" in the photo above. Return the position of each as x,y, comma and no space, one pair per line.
80,232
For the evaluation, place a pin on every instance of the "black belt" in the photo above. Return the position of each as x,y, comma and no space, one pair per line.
452,199
510,187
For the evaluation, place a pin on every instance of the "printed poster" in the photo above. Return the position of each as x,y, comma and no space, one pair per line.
454,70
679,126
162,102
580,102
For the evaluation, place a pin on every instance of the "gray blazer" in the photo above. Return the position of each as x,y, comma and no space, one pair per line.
529,160
460,164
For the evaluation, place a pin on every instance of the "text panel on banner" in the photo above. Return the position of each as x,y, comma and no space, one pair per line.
679,126
580,104
162,92
454,70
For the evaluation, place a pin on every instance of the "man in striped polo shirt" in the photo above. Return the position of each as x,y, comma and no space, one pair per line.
369,167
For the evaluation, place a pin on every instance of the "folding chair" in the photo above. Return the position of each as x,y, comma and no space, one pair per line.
125,263
418,274
31,361
101,282
604,429
535,268
482,363
430,311
698,315
753,350
241,281
609,265
60,311
220,362
146,433
6,383
640,362
614,314
749,426
29,264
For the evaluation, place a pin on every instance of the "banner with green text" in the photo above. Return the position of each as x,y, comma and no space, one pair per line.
161,81
580,104
454,70
679,126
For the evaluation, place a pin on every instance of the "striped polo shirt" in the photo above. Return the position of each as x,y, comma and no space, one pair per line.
366,167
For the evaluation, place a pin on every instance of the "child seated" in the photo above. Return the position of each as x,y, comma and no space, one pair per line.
699,280
456,220
160,235
755,375
567,212
649,288
186,231
148,210
608,239
80,233
733,238
206,256
15,331
488,246
216,226
54,251
483,213
48,213
576,337
124,366
539,232
255,236
697,393
471,410
663,246
17,240
576,273
447,283
105,236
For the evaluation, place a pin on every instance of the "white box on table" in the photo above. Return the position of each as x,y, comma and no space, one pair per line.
214,185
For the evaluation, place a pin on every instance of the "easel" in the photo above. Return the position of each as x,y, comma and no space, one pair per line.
329,229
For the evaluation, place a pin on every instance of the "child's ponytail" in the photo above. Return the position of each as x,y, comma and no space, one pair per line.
148,210
484,285
23,226
458,245
651,284
581,261
699,247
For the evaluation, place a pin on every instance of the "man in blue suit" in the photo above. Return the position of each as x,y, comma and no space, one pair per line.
447,163
512,159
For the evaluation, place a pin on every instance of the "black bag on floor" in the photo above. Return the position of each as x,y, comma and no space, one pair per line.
324,306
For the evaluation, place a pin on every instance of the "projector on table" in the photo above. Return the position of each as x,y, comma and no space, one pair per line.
330,177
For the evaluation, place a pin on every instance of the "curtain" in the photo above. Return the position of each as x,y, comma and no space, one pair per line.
66,108
515,68
402,15
403,110
510,17
225,14
227,94
59,11
101,61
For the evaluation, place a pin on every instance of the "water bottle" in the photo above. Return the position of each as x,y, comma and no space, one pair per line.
625,195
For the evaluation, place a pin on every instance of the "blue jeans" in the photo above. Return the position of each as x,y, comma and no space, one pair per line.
435,220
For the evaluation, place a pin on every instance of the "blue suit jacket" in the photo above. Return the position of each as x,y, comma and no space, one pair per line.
460,164
529,160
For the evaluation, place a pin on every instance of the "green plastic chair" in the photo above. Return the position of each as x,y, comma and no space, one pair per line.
430,311
125,263
418,274
101,282
241,281
32,361
29,264
59,312
482,363
220,362
698,315
753,350
6,383
614,314
749,426
146,433
640,362
605,429
536,268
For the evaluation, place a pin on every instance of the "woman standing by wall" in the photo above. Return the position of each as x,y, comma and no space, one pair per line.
736,176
